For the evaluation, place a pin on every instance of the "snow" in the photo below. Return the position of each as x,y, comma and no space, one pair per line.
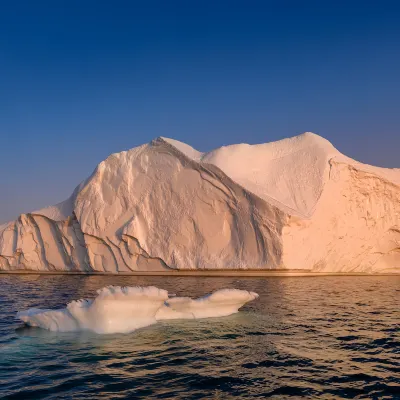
290,173
184,148
124,309
58,212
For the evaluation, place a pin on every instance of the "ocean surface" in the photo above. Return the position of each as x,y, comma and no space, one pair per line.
311,337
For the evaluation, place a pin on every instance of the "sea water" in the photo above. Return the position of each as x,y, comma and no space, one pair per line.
306,337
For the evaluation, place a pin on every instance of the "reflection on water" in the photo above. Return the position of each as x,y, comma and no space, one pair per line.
325,337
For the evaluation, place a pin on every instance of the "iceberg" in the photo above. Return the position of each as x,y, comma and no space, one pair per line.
124,309
297,203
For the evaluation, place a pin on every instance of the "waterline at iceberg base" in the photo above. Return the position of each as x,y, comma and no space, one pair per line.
293,204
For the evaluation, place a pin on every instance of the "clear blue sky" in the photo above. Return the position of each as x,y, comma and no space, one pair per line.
82,79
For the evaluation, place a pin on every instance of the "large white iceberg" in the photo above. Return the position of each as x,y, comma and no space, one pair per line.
293,204
124,309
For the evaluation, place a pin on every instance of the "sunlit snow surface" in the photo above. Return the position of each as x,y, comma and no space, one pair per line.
119,309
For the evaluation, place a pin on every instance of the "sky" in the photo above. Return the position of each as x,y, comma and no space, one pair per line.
80,80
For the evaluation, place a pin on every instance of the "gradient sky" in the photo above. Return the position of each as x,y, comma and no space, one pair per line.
82,79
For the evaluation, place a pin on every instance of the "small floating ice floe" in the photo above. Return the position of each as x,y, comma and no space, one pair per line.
124,309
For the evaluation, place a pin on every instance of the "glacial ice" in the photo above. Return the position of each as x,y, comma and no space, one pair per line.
218,304
297,203
124,309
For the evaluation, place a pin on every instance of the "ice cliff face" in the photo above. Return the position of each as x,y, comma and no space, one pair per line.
297,203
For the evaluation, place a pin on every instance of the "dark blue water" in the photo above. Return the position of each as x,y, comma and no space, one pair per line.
324,337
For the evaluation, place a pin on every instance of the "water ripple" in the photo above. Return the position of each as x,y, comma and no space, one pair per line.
325,338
